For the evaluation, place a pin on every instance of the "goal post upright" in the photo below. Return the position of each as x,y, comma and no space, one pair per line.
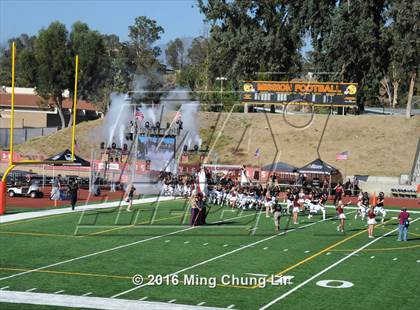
12,164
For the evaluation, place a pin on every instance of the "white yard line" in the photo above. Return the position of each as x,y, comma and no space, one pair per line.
226,254
106,251
31,289
328,268
73,301
30,215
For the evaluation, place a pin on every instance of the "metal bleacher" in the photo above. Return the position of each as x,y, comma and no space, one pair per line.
403,193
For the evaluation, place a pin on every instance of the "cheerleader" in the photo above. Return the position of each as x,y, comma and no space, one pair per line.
379,208
341,216
301,200
289,200
295,210
371,222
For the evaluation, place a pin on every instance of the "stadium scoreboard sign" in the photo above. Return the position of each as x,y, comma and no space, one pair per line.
304,93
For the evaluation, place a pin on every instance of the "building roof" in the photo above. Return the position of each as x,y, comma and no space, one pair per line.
34,102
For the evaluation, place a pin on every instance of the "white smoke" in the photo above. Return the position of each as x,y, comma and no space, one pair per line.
179,100
121,112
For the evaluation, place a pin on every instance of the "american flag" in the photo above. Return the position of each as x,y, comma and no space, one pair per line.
342,156
178,116
257,153
139,115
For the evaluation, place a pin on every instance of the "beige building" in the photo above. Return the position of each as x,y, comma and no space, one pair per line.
31,113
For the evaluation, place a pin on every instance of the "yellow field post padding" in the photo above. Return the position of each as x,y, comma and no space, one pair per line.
73,131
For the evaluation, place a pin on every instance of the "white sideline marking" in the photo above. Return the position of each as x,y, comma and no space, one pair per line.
328,268
387,210
58,292
31,289
4,287
143,298
29,215
201,303
224,254
73,301
87,294
172,301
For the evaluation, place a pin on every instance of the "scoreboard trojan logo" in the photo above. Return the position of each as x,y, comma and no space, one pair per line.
350,90
248,87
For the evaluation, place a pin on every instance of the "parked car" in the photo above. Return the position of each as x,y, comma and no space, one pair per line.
27,190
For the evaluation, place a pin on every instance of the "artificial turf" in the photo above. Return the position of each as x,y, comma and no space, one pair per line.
156,239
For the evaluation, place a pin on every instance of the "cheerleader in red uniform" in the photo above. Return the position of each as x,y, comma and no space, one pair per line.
341,216
371,221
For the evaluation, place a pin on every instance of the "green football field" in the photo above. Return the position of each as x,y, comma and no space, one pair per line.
306,266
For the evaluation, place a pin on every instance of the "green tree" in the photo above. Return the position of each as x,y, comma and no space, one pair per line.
143,58
89,45
403,31
175,54
53,59
248,35
348,39
198,52
24,66
118,76
143,34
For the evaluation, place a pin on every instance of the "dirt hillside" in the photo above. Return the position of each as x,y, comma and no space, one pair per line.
377,145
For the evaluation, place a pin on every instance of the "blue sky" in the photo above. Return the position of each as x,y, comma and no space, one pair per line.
179,18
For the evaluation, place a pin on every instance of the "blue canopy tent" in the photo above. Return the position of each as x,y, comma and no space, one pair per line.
284,172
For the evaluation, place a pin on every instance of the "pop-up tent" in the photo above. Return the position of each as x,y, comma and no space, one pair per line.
280,167
66,156
284,173
319,167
